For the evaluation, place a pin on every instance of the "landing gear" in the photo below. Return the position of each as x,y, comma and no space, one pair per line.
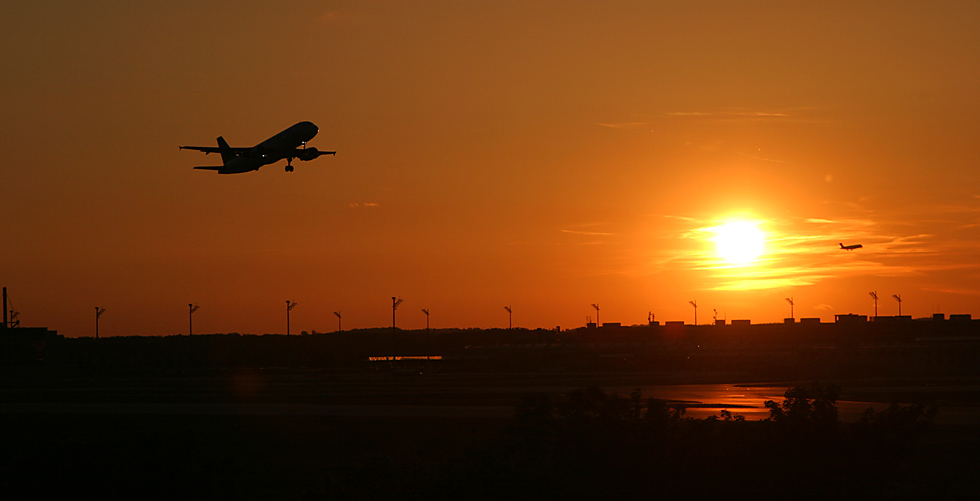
289,168
289,165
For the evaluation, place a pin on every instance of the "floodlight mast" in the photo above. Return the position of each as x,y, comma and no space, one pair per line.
395,301
12,322
791,304
338,320
289,306
596,306
695,305
191,307
426,311
874,295
898,297
98,313
510,317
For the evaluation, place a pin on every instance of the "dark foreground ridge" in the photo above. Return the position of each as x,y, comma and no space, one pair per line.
852,347
491,414
583,444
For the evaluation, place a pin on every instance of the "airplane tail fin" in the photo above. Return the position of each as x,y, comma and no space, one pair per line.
226,153
841,245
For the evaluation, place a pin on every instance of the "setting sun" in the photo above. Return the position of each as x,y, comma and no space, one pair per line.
739,242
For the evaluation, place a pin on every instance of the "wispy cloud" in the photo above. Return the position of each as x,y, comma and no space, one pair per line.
762,158
582,232
364,204
965,291
625,125
591,233
717,115
804,251
796,114
731,113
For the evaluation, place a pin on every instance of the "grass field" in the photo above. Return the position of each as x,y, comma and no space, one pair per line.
271,435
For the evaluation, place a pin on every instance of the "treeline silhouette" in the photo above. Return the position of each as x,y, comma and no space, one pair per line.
585,444
593,445
347,350
774,351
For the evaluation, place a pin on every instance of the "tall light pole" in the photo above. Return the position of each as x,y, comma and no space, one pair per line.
510,317
289,307
395,301
191,307
874,295
98,313
791,314
695,305
596,306
898,297
426,311
338,320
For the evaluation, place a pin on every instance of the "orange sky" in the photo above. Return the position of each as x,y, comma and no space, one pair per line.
542,155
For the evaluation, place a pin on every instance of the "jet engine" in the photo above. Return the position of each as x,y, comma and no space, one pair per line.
308,154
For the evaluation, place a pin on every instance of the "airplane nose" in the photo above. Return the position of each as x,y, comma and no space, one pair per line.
311,129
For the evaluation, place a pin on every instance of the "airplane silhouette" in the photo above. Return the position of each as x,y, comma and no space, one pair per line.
285,144
850,247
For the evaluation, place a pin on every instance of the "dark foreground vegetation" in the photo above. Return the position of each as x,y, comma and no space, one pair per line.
586,444
229,416
593,445
799,351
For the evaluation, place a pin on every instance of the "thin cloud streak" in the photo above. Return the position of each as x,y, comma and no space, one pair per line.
799,252
625,125
582,232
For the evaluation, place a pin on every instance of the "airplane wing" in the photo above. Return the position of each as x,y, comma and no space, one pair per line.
215,149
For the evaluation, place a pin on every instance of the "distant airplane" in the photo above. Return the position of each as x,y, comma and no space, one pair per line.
285,144
850,247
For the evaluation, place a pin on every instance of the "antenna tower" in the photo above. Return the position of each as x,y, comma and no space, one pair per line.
98,313
191,307
289,307
395,301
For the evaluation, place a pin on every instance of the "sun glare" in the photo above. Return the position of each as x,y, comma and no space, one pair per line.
739,242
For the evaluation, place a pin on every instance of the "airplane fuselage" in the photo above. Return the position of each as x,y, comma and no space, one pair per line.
288,144
271,150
